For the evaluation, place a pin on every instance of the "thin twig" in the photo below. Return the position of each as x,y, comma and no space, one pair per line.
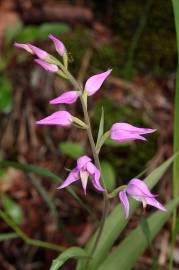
28,240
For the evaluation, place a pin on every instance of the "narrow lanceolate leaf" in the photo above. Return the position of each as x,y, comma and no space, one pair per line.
8,236
101,126
116,222
73,252
101,141
27,168
176,120
125,255
12,209
109,176
176,137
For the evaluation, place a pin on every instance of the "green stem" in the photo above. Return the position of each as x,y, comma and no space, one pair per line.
27,239
95,155
115,191
175,4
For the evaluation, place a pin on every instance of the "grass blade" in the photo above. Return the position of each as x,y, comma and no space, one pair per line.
176,136
126,254
73,252
28,168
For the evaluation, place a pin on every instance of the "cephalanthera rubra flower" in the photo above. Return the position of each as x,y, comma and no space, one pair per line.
47,66
122,132
33,50
66,98
23,46
139,191
62,118
83,170
59,46
94,83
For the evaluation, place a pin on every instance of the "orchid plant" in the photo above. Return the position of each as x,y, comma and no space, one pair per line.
89,167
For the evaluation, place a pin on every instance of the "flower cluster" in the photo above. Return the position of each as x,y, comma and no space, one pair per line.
120,132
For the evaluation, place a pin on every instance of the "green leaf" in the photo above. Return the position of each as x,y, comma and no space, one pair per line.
71,149
176,136
28,34
116,222
12,209
101,126
126,254
5,94
32,33
8,236
12,32
28,168
73,252
52,28
109,176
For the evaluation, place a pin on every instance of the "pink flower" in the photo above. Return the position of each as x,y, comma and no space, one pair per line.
139,191
122,132
40,53
83,170
62,118
94,83
59,46
23,46
47,66
66,98
33,50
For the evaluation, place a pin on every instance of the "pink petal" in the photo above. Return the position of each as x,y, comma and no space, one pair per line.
59,46
72,177
90,168
125,127
121,136
96,180
62,118
94,83
66,98
137,187
155,203
82,161
124,200
46,66
40,53
23,46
